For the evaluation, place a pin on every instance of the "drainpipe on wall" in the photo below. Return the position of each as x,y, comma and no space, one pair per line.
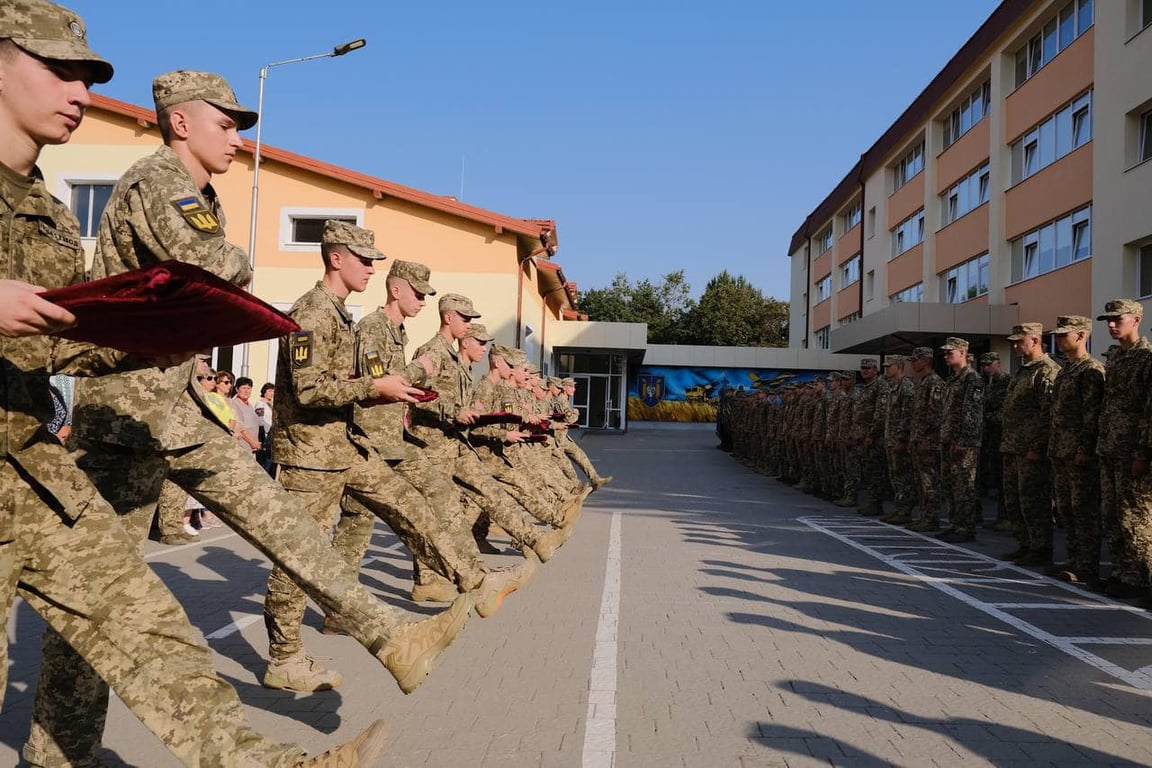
520,297
863,274
807,291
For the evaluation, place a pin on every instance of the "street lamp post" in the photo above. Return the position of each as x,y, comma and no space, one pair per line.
340,50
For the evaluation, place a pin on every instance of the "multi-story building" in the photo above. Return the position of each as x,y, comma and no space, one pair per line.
1016,187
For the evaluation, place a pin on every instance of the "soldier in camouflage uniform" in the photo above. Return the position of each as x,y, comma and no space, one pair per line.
924,437
1077,395
848,452
868,434
960,433
901,395
570,447
830,478
992,462
1124,447
62,547
1027,488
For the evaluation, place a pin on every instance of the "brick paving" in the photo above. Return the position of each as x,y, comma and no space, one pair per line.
747,636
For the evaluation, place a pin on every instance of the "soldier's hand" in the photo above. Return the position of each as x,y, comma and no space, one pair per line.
394,389
1139,467
429,366
513,436
466,416
24,313
1032,456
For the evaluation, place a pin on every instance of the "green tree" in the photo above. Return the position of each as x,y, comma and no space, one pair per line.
664,306
733,312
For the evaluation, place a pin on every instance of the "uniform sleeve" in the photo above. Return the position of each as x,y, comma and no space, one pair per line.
316,382
1091,399
1043,383
971,413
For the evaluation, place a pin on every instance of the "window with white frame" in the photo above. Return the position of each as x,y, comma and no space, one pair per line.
1145,269
965,195
910,165
824,337
824,241
913,294
850,271
1073,20
1054,245
908,233
88,202
849,319
1054,138
1145,135
823,288
971,111
302,228
965,281
852,216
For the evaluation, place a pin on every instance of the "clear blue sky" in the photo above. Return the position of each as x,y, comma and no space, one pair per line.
658,135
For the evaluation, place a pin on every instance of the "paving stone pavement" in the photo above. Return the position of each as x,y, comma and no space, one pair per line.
752,625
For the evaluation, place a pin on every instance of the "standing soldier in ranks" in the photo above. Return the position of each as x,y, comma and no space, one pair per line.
818,424
960,433
570,447
868,435
772,437
1123,445
1026,417
925,439
788,434
992,474
831,473
897,430
846,473
1077,395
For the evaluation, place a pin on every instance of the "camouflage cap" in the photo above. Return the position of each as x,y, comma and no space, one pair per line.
1117,307
1072,323
416,274
458,303
183,85
554,382
1026,329
989,357
360,241
954,342
893,360
567,381
922,353
51,31
504,353
869,362
478,331
848,376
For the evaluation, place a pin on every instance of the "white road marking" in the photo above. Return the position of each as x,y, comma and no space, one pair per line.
600,724
1140,679
169,550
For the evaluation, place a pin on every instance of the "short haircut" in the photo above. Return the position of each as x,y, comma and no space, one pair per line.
243,381
267,386
326,251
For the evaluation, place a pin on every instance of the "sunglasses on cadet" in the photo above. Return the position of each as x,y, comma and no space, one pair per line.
202,378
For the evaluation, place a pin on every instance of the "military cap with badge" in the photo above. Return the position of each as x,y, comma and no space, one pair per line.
53,32
415,273
1023,330
1118,307
361,242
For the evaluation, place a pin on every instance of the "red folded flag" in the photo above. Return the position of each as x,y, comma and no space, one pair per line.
170,308
426,395
538,438
500,417
541,427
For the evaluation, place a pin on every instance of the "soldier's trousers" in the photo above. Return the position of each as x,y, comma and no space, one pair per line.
960,465
926,464
109,610
170,509
903,478
1126,506
494,499
388,495
519,486
70,701
1076,491
1028,499
851,485
873,467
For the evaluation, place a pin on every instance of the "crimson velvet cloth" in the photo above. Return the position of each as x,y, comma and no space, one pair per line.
167,309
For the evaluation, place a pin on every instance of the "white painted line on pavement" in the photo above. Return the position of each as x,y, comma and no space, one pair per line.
234,627
1139,679
189,545
600,724
1114,641
1067,607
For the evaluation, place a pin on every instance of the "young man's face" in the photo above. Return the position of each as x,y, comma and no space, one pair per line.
355,271
42,99
458,325
407,298
473,349
213,137
1124,327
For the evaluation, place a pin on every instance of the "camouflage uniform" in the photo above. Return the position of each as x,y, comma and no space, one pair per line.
924,437
960,433
868,435
1026,418
992,472
1125,500
832,477
1077,394
897,435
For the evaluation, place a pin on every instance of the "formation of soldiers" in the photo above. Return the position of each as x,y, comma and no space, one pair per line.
1058,443
362,432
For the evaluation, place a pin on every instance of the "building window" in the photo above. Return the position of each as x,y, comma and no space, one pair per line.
824,337
850,271
972,110
913,294
1146,134
1145,271
1052,139
1073,20
852,217
965,281
88,201
908,233
824,288
849,319
910,165
968,193
309,229
1053,245
870,285
824,240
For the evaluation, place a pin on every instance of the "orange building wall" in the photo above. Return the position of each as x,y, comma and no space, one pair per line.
1049,194
906,201
848,245
962,239
1066,291
965,155
822,314
906,270
1057,83
848,300
822,264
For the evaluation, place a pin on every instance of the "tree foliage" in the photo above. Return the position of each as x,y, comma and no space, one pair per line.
731,311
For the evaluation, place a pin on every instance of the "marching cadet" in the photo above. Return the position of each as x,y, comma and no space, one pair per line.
960,433
1077,395
924,438
1027,487
571,448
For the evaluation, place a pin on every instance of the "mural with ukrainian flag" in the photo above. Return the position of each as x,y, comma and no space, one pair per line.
688,394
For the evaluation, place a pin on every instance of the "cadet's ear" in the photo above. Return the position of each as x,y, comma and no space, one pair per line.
178,122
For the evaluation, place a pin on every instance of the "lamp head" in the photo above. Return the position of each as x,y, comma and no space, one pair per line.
348,47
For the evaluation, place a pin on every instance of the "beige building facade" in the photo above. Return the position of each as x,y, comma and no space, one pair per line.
1016,187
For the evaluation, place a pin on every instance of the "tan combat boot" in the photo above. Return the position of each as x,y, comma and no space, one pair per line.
409,653
600,481
362,752
439,591
547,543
500,583
301,673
